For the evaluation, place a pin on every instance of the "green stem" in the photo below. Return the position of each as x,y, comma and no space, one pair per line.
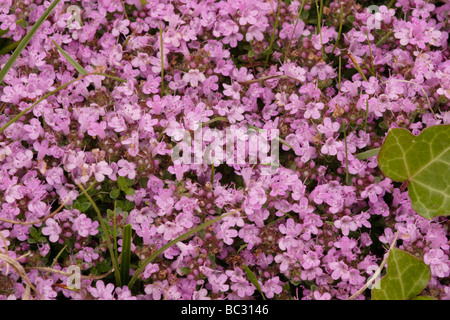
116,251
126,254
10,47
347,181
215,120
382,40
340,67
105,232
162,59
17,117
367,115
273,35
171,243
319,25
340,28
23,43
57,256
293,31
370,51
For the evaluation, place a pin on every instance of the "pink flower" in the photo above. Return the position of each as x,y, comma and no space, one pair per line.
194,77
100,170
331,146
84,226
102,292
272,287
313,110
217,283
120,27
438,262
346,224
232,90
127,169
52,229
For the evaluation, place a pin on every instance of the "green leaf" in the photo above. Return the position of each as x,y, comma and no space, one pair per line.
71,60
368,154
114,193
251,276
126,254
124,183
406,277
423,298
423,162
23,43
85,206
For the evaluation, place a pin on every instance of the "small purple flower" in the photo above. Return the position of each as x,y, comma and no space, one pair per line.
84,226
52,229
127,169
102,292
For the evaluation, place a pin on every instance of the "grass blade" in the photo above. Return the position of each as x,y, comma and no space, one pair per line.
71,60
251,276
17,117
162,59
171,243
126,254
340,28
106,233
269,49
23,43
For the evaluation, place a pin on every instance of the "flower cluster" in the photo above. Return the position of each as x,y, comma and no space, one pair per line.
317,228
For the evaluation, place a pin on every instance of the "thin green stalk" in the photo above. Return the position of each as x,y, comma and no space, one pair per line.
17,117
214,120
212,172
57,256
347,176
273,34
171,243
357,66
251,276
126,254
278,138
382,40
116,251
341,23
390,4
23,43
340,71
10,47
295,27
370,51
367,115
319,25
368,68
315,127
162,59
106,233
71,60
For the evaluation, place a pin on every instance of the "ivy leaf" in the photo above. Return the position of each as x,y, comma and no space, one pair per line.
406,277
423,163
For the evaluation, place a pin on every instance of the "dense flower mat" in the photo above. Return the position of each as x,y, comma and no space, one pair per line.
95,156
